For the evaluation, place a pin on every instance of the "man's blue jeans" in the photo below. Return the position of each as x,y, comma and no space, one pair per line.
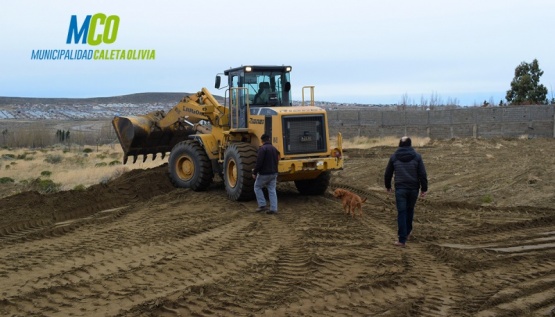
405,200
268,181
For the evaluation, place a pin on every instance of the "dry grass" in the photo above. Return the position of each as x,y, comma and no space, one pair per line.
79,167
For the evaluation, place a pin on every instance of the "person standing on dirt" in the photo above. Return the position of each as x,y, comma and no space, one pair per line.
410,178
265,174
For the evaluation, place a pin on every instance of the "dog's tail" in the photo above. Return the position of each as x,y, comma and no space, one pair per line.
363,200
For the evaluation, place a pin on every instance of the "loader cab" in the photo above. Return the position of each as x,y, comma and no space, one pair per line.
253,89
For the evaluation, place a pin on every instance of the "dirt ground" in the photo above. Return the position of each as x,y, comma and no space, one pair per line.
483,245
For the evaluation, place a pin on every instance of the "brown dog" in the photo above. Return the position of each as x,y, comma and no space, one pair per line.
351,201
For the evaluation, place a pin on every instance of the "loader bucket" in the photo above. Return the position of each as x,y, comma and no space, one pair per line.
140,135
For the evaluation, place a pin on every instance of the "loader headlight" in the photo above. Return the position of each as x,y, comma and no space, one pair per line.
248,69
336,153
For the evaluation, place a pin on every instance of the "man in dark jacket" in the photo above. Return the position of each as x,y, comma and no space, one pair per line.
265,174
410,178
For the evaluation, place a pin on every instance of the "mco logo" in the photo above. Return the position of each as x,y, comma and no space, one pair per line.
95,30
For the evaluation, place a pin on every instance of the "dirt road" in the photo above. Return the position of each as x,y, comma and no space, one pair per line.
484,244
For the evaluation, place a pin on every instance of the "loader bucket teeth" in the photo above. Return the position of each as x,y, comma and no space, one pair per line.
144,157
141,135
153,156
125,157
163,155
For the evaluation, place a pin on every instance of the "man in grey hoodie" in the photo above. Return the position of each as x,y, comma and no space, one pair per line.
410,178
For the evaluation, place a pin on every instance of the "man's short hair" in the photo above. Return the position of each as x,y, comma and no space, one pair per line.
265,137
405,141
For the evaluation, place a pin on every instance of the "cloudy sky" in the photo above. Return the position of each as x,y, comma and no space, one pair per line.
351,50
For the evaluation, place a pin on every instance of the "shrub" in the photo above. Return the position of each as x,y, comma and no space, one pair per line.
112,163
79,187
43,186
48,186
87,150
8,156
101,156
26,156
101,164
46,173
487,199
53,159
4,180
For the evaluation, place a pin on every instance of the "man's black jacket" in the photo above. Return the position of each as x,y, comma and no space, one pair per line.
267,160
409,169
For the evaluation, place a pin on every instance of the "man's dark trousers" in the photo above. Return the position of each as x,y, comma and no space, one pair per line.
406,200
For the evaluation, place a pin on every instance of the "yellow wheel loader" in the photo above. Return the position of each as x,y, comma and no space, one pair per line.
205,138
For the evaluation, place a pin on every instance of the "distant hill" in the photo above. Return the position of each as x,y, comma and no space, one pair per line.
139,98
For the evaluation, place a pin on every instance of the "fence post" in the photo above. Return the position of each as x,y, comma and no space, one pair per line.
451,123
405,123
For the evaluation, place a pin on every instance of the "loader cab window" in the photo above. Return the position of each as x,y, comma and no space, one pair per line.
257,89
267,88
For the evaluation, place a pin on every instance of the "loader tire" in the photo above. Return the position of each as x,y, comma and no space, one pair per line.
239,160
189,166
316,186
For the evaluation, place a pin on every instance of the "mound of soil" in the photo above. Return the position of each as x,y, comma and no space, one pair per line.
132,187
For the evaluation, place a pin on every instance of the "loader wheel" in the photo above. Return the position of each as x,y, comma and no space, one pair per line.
316,186
239,160
190,167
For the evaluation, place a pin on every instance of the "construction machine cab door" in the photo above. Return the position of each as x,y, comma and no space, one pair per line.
238,102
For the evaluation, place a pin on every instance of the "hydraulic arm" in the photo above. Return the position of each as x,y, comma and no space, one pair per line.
158,132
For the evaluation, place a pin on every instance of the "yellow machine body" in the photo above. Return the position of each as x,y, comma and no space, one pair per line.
206,138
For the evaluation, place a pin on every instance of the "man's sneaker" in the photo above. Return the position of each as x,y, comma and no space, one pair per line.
271,212
260,209
399,244
410,233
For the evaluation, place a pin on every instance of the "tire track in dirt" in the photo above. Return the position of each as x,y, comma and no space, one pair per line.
289,279
180,252
495,250
43,229
275,274
124,260
513,218
343,272
420,285
515,284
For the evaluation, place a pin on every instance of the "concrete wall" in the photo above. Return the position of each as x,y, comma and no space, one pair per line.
532,121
